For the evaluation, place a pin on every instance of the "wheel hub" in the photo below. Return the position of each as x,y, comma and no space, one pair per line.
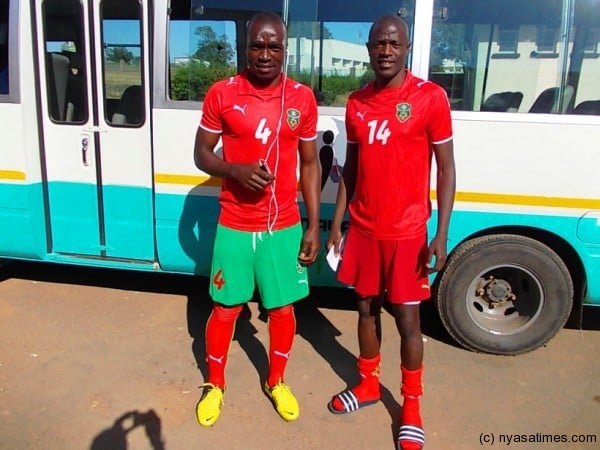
496,291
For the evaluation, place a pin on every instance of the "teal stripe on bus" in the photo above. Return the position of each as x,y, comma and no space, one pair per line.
129,222
185,225
185,231
74,218
22,225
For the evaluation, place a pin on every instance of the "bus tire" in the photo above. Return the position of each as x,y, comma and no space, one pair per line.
504,294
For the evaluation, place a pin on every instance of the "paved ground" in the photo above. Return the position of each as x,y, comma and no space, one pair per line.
100,359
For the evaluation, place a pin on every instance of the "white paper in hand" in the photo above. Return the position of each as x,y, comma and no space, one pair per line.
332,259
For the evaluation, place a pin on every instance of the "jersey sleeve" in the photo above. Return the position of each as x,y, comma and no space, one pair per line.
439,125
308,130
211,118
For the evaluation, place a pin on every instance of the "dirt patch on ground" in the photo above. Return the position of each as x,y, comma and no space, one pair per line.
98,359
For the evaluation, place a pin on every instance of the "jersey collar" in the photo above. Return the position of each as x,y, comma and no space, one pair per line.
397,91
245,87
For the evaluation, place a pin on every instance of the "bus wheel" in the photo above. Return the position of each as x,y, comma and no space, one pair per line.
504,294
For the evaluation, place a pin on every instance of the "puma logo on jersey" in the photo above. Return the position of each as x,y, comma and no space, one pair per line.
297,85
284,355
361,115
218,360
231,81
241,109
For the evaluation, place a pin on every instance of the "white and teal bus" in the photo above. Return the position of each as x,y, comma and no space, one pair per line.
100,101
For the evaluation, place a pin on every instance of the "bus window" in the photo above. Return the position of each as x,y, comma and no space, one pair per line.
65,80
330,56
207,42
584,71
201,52
510,56
122,43
3,47
327,44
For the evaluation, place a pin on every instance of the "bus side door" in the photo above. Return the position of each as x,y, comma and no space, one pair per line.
96,129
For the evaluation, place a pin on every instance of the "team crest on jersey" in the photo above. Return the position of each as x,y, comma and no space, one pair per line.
403,111
293,118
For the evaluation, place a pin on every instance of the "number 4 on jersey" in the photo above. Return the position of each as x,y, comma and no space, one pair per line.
262,132
381,133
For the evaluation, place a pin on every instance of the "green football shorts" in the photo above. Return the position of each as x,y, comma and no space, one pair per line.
241,257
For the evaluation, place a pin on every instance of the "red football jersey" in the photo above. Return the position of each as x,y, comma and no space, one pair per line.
395,129
258,124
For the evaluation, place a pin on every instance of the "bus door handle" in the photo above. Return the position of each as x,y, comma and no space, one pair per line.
84,150
85,141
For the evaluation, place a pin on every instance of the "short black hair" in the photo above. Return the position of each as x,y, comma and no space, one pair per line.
388,18
268,17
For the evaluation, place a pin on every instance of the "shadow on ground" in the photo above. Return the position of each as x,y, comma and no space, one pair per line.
115,437
196,289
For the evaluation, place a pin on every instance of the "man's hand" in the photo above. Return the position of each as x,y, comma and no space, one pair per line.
253,176
334,240
438,249
310,247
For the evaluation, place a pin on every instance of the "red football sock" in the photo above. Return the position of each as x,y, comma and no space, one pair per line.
368,388
412,390
282,328
219,331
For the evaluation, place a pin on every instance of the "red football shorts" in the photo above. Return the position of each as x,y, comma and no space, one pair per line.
396,266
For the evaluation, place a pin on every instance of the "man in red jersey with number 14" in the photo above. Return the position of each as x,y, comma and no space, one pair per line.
394,125
265,121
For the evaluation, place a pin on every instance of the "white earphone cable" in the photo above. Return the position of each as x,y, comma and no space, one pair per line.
273,205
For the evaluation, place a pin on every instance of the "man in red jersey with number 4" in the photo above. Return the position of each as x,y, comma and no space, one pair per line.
266,122
394,125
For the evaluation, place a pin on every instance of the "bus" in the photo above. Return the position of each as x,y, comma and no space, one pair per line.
100,101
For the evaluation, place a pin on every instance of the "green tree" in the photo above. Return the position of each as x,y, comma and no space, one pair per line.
191,81
118,54
212,48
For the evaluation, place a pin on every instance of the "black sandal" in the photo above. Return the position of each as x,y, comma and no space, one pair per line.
411,433
349,401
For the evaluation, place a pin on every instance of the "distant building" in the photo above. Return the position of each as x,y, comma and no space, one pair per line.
339,57
185,60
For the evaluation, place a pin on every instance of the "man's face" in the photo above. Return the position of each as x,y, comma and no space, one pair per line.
388,47
265,51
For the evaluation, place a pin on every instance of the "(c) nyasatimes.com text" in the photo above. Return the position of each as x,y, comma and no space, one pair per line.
489,439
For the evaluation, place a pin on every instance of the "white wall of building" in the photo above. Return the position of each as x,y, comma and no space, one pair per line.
339,57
